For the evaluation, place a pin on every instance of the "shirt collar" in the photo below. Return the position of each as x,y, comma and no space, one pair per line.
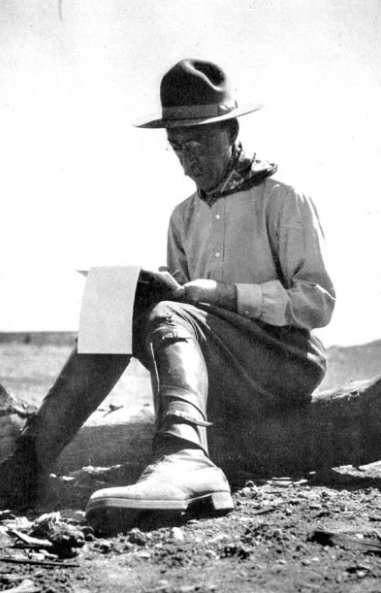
242,173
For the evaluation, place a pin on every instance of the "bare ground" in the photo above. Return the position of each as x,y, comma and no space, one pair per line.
312,533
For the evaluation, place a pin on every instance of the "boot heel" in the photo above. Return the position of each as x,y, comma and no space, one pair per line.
222,501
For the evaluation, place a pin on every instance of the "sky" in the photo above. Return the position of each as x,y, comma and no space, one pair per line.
80,186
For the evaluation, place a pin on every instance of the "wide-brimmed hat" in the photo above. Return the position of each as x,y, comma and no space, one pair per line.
195,92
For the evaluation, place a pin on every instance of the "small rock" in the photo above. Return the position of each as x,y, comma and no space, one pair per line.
104,547
315,506
127,546
64,537
39,556
236,550
87,530
281,483
177,534
145,555
361,574
26,585
6,515
301,482
135,536
72,516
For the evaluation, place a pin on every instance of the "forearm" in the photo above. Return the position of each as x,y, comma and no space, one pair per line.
306,304
225,296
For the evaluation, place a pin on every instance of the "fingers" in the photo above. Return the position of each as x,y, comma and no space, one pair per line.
178,293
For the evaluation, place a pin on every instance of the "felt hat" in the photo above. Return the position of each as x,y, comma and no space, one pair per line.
195,92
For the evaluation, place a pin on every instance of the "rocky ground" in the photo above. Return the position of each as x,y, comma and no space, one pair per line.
318,533
311,533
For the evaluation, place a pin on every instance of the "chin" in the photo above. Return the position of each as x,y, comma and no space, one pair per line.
202,184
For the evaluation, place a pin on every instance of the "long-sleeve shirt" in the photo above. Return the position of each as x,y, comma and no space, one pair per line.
268,241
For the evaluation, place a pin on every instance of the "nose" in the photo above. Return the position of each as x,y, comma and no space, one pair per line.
189,161
187,164
189,151
193,150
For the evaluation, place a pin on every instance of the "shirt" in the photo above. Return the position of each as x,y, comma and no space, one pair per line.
268,241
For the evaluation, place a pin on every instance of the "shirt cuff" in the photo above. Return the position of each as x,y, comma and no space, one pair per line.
249,300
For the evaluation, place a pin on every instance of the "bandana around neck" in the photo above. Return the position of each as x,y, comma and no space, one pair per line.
242,173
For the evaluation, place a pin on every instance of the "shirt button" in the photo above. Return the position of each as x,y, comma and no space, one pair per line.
218,216
217,254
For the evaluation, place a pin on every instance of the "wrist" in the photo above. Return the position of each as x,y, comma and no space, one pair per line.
226,296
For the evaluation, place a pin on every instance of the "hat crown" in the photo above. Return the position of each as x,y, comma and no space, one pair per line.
195,92
193,83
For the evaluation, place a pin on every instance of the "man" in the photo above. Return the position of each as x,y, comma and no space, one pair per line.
247,250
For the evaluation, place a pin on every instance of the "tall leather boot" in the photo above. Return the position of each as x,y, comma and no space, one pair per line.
181,473
84,382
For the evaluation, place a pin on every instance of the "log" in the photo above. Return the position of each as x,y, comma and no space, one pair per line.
13,415
339,427
118,438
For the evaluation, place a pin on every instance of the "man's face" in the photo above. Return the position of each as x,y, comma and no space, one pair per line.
203,151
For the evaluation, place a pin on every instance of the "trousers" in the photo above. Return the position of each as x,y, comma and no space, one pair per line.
251,368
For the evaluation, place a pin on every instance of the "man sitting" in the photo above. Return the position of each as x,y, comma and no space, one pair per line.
248,252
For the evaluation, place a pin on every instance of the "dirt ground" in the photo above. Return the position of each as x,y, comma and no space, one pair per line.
311,533
320,533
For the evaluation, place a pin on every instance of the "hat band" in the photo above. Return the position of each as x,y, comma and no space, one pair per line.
197,111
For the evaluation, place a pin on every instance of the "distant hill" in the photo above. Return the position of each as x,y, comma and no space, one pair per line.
345,363
39,338
352,363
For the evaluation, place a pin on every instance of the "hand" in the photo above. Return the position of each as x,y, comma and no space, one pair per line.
201,291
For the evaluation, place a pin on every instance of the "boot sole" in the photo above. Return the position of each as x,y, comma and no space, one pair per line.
220,501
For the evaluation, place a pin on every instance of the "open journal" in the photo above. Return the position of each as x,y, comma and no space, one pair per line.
105,325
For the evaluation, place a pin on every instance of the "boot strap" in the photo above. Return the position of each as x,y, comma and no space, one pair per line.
182,403
181,394
185,411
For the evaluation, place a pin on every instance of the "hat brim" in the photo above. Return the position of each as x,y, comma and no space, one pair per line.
159,122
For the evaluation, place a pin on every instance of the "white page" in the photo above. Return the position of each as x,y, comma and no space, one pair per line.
105,325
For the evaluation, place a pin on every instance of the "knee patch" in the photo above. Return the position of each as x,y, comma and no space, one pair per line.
168,332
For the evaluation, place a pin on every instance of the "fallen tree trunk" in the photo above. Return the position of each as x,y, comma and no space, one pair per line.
13,415
339,427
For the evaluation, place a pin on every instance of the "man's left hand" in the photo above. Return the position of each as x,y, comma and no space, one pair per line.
203,290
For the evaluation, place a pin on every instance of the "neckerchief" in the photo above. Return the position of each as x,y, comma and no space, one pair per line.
242,173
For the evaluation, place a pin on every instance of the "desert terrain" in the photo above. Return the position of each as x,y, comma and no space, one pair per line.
314,532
